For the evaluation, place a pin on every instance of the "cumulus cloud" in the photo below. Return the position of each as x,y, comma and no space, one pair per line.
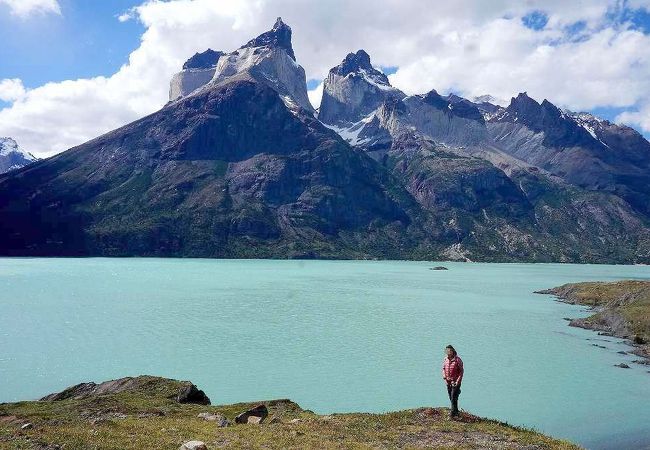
11,89
24,8
579,57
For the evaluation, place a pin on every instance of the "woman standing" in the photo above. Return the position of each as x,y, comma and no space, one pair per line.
452,373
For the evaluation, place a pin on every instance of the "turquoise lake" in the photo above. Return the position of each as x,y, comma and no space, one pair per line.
334,336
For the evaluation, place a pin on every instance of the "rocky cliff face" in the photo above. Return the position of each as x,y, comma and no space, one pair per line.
579,148
354,89
268,59
361,105
12,156
492,178
197,72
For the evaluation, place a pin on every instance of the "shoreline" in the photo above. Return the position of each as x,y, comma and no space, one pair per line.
605,300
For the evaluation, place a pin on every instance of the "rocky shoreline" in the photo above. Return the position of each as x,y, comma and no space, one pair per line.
621,309
148,412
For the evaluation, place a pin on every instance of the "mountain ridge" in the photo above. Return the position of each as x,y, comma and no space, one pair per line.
241,165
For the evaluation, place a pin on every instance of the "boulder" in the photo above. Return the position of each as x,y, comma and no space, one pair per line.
260,411
439,268
192,394
193,445
219,418
622,366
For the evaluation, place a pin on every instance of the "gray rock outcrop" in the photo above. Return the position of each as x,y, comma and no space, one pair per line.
197,72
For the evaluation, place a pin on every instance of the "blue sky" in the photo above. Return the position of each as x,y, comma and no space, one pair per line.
84,41
67,75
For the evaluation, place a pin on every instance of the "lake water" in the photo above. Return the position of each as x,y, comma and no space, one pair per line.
333,336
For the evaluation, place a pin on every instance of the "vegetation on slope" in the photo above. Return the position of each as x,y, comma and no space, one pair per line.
622,308
148,415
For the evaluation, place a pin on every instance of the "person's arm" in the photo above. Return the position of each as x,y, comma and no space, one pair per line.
444,377
462,371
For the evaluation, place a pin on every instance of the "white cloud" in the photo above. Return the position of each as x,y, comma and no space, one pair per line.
315,95
11,89
471,47
24,8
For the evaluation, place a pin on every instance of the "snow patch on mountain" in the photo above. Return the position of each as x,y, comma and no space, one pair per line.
12,156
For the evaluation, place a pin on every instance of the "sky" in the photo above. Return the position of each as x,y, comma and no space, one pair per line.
71,70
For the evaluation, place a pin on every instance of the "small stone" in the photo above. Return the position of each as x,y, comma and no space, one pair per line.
222,422
622,352
622,366
439,268
211,417
295,421
193,445
254,420
27,426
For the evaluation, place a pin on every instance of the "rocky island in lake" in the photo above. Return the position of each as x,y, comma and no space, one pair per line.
148,412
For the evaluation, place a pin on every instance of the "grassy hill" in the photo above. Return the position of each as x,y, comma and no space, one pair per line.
147,415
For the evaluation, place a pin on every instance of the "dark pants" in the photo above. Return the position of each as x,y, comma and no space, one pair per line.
454,392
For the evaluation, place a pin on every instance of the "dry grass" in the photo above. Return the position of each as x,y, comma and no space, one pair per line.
152,419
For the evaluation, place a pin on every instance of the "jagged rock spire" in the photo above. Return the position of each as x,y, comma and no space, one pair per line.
278,36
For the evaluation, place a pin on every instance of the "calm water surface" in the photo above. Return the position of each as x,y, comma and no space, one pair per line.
334,336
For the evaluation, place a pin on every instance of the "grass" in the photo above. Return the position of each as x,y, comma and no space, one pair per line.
149,417
627,299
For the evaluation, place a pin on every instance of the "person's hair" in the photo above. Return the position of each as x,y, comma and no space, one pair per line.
452,349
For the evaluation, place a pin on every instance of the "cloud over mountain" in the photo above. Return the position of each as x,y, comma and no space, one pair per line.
580,58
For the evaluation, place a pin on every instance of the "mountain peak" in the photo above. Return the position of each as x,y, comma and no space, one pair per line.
354,89
12,156
278,36
203,60
360,62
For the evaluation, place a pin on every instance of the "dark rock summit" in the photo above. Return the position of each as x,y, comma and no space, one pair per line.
358,62
353,89
203,60
197,72
278,36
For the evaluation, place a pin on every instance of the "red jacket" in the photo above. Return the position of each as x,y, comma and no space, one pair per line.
452,369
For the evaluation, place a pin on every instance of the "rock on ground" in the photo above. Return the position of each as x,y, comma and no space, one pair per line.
193,445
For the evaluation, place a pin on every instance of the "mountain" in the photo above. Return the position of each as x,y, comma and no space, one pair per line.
581,149
489,189
239,164
12,156
353,89
235,168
